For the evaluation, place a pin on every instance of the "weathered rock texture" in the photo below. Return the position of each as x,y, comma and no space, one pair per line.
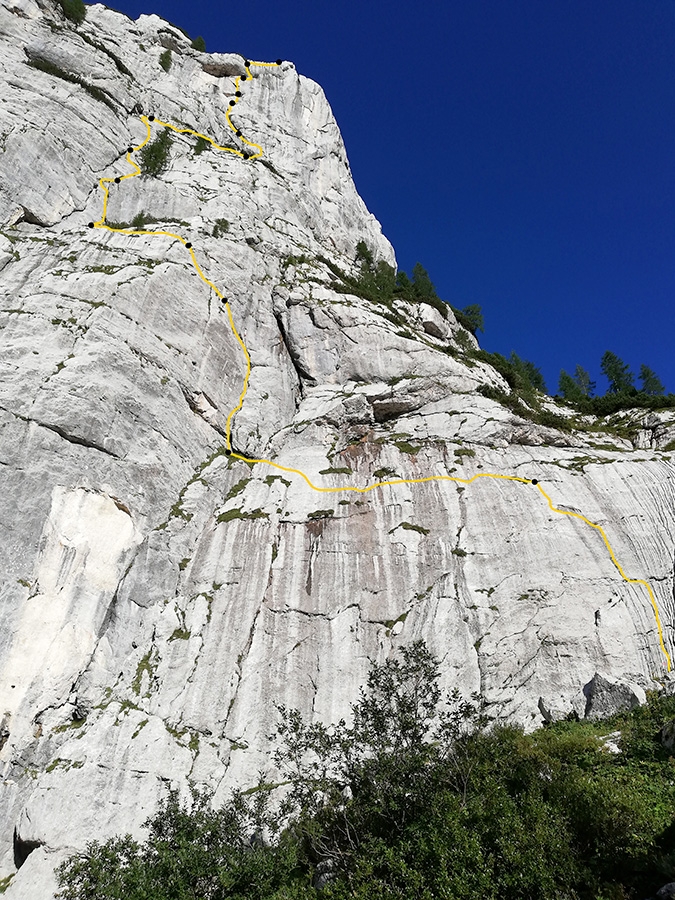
158,598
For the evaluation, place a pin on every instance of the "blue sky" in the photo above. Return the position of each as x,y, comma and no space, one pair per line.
522,150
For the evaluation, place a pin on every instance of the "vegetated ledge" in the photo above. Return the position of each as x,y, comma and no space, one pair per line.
232,514
50,68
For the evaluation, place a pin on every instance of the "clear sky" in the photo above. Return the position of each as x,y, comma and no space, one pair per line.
522,150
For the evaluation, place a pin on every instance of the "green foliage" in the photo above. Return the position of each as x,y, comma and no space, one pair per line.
577,390
568,388
650,382
471,318
165,60
419,289
381,284
375,282
191,852
583,381
422,286
201,145
199,44
522,376
119,65
221,227
420,797
618,373
364,255
527,372
75,10
139,221
155,156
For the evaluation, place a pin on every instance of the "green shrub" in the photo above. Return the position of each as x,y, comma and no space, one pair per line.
470,318
464,341
439,805
199,44
165,60
75,10
201,145
221,227
155,156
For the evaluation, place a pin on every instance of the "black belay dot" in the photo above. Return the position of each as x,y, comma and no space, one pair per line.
130,149
189,245
237,94
247,63
244,155
279,61
232,102
228,453
238,133
534,481
117,180
91,224
151,118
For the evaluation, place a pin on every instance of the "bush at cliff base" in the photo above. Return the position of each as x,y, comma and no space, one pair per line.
419,797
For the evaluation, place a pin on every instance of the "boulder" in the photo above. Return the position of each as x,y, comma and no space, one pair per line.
607,695
667,892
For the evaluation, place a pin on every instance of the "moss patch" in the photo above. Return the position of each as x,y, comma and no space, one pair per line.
231,514
180,634
321,514
406,447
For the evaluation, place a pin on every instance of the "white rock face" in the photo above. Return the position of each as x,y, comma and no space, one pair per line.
158,597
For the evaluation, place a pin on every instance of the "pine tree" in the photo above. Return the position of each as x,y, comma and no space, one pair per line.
155,156
650,381
583,380
569,387
528,372
474,317
618,373
75,10
365,255
422,284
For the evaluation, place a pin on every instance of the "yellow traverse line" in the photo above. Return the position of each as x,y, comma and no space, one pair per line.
102,224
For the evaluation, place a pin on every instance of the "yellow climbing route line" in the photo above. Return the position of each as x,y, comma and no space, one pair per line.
601,531
101,223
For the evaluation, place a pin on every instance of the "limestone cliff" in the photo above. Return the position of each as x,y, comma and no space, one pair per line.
159,595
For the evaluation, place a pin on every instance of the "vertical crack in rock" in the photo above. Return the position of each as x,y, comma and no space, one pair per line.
303,376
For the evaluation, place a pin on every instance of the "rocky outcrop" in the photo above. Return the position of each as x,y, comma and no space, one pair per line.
606,696
160,596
